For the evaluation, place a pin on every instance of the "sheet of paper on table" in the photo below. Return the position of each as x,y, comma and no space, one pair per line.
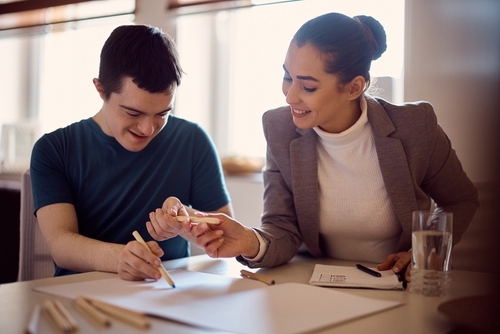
229,304
352,277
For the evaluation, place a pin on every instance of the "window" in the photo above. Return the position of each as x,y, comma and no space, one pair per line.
233,63
48,60
70,62
232,58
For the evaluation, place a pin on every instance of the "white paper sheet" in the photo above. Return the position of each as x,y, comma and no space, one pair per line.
230,304
352,277
148,295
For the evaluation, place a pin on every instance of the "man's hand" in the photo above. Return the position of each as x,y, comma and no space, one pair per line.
137,263
163,225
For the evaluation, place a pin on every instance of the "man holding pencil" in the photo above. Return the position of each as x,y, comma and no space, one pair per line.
97,181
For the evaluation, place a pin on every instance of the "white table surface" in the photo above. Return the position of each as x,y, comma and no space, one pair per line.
419,314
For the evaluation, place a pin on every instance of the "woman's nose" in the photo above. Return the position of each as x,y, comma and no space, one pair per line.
291,95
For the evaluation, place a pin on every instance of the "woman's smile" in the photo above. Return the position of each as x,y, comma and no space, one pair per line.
299,113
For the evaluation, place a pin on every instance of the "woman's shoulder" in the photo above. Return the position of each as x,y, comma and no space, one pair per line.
408,113
406,109
415,106
280,120
280,113
279,128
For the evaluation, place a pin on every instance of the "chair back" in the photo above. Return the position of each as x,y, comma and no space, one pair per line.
35,260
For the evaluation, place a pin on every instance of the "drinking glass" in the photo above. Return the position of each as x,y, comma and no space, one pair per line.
432,235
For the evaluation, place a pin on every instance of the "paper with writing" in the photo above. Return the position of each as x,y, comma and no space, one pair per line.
352,277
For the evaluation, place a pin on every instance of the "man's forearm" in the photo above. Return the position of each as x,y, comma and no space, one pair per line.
81,254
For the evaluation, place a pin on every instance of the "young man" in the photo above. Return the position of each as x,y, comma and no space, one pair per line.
96,181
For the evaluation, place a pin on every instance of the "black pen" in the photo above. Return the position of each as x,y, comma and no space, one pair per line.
401,277
368,270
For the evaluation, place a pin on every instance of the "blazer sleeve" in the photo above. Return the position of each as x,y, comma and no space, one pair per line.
445,180
279,220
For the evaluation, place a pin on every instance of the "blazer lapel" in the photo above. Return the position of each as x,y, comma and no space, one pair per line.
304,174
393,166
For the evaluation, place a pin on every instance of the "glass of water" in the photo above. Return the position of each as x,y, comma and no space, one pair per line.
431,253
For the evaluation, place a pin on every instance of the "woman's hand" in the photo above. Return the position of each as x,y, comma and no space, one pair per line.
229,238
398,262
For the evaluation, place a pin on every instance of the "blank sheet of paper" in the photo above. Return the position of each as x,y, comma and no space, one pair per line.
230,304
150,295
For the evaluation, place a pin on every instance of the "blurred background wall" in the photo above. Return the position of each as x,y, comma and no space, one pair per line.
449,55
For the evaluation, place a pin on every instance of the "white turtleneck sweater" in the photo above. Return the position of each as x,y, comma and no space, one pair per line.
356,218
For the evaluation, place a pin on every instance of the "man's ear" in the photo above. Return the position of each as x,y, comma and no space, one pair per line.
356,87
99,87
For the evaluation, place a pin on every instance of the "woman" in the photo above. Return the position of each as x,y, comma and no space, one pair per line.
344,170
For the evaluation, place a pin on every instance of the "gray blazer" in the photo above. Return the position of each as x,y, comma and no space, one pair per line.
417,161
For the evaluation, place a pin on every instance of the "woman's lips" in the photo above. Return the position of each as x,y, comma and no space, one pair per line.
300,113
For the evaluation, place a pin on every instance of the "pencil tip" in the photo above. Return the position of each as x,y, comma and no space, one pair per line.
173,286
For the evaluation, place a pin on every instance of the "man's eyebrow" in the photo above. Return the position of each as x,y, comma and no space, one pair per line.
131,109
302,77
142,112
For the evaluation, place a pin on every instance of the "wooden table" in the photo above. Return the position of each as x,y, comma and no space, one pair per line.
419,314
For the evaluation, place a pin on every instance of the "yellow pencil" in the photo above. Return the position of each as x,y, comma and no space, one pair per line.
257,277
208,220
131,317
65,313
58,318
89,310
162,270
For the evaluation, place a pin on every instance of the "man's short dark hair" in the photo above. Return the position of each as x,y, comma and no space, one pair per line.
143,53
